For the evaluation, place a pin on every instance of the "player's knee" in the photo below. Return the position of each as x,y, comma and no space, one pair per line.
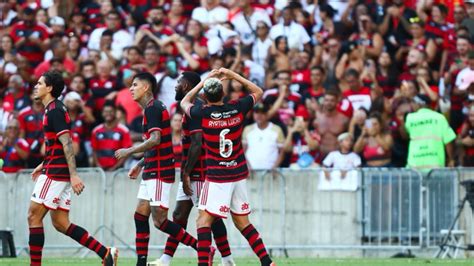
159,217
60,226
240,222
33,217
203,221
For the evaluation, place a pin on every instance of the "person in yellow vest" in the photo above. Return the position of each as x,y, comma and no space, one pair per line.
431,137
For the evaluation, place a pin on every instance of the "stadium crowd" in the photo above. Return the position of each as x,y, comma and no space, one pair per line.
327,68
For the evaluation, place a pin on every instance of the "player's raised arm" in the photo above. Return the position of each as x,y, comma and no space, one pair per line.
187,101
250,86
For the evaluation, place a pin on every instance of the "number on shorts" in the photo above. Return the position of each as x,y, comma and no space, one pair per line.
225,145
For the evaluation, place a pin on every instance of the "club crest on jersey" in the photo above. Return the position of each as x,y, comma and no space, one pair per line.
216,115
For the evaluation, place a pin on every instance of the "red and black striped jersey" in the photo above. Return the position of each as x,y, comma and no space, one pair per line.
31,122
159,160
56,122
222,127
30,50
190,127
105,141
11,160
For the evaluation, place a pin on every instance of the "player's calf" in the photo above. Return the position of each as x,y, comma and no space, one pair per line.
253,237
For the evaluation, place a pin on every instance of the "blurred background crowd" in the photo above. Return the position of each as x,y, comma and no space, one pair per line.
338,75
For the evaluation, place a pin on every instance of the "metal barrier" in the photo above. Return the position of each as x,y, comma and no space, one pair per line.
388,211
392,208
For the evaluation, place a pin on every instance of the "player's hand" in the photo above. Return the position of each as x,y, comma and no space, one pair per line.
343,174
327,175
187,185
77,184
122,153
134,171
225,73
36,172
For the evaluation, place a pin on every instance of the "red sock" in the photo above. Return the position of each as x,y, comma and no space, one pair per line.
220,237
179,233
204,245
36,243
142,238
253,237
82,236
172,243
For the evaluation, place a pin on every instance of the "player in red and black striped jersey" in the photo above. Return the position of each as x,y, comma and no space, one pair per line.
57,177
225,186
158,168
193,170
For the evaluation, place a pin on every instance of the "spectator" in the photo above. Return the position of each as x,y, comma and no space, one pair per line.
246,21
75,50
301,144
370,41
327,57
8,16
463,86
30,119
278,58
386,74
210,13
5,116
13,149
195,29
121,38
466,140
107,138
31,38
78,27
358,95
414,60
58,27
314,95
91,10
176,135
59,51
400,108
395,26
262,43
263,141
80,126
329,123
17,96
151,60
103,87
156,29
352,58
357,123
296,34
176,18
342,159
374,144
430,138
419,41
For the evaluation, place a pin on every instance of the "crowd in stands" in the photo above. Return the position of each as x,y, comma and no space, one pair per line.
340,77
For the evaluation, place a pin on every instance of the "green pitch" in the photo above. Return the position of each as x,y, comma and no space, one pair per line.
254,262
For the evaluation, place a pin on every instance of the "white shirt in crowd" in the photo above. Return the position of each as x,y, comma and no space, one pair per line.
260,50
262,145
247,34
120,40
338,160
210,17
295,33
166,91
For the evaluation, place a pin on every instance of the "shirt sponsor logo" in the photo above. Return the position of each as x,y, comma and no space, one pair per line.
228,164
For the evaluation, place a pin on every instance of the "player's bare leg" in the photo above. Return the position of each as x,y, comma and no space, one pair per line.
142,227
36,214
180,216
60,220
242,223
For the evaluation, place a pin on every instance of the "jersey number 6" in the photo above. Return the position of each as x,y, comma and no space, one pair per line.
225,145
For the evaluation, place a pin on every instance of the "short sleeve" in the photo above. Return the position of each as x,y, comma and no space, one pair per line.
154,117
448,132
246,103
328,161
59,121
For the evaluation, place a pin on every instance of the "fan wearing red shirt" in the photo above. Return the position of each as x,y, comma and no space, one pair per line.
31,128
225,190
156,30
107,138
102,87
360,97
31,38
56,178
13,149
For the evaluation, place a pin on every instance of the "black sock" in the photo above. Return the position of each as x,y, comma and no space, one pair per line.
142,238
176,231
82,236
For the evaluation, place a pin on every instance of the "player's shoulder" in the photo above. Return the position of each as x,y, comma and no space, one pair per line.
123,128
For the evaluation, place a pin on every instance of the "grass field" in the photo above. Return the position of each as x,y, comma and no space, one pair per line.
254,262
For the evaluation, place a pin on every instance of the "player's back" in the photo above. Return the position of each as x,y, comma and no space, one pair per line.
56,122
222,127
159,160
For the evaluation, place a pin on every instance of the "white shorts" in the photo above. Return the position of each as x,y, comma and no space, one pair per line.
52,194
218,199
196,186
156,192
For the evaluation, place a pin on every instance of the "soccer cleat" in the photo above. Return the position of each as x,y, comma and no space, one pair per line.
227,263
157,262
212,252
111,257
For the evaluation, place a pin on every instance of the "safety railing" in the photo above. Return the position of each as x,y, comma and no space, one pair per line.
388,209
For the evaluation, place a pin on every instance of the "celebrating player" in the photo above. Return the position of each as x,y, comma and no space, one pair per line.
192,178
225,186
158,168
57,176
